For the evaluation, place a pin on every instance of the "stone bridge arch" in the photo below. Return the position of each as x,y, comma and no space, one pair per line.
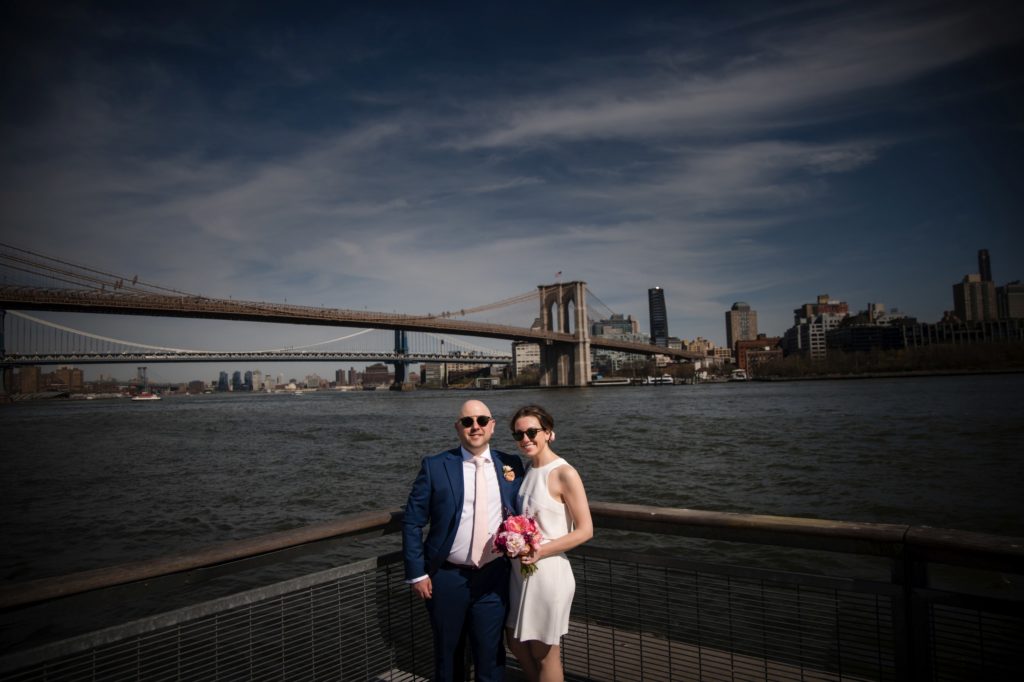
563,308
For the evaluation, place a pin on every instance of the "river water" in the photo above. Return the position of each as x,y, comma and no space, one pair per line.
93,483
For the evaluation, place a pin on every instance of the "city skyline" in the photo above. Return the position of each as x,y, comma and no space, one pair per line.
417,159
656,306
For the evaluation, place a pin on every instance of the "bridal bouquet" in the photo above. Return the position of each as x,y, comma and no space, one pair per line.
516,536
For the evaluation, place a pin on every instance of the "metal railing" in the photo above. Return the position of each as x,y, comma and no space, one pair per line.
947,607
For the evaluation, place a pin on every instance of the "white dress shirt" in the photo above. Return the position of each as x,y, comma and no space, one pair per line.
463,544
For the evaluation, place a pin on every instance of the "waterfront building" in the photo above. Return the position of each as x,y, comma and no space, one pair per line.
29,379
961,333
809,336
616,326
862,338
811,324
877,314
974,299
257,380
63,379
247,382
874,328
236,380
701,345
525,354
753,353
222,382
1010,301
823,305
658,316
433,373
740,324
445,373
377,374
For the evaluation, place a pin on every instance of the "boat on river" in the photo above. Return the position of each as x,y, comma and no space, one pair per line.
146,395
611,381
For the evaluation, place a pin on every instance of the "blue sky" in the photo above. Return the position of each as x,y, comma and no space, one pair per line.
418,157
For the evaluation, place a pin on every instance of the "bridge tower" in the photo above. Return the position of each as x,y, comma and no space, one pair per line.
563,308
401,367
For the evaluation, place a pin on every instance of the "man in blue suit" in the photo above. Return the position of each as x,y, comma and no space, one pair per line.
463,583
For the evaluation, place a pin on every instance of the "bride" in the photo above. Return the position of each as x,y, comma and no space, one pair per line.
552,493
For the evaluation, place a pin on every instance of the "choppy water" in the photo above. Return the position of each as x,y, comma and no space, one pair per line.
91,483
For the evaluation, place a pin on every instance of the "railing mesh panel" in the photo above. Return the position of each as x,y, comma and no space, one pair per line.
357,626
658,620
968,644
637,622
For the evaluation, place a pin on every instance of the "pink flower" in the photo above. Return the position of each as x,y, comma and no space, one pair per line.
515,544
518,535
517,524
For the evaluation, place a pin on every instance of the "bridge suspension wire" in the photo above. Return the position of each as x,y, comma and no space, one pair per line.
55,268
134,344
504,303
604,309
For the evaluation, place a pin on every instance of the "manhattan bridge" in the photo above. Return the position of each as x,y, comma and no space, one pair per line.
557,318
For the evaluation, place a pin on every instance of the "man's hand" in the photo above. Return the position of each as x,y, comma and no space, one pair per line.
423,589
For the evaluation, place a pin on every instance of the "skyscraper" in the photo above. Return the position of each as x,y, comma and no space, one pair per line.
740,324
974,299
984,265
659,317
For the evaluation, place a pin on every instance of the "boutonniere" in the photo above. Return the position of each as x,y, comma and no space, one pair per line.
507,472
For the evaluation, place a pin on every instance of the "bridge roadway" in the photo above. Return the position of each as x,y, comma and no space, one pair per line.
159,305
269,356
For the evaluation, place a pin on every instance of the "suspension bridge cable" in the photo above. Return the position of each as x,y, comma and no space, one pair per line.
133,344
119,279
512,300
591,296
36,272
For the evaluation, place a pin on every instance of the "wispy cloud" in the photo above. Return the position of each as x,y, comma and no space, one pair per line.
783,78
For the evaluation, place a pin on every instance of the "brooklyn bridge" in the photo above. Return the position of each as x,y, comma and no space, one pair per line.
36,282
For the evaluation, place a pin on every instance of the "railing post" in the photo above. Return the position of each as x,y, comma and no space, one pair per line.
910,619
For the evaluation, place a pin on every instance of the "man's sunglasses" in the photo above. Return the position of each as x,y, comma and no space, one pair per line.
529,433
480,421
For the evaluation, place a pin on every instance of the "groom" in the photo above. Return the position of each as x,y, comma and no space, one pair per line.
462,494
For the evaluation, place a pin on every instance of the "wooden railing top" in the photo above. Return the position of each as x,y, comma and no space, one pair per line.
919,543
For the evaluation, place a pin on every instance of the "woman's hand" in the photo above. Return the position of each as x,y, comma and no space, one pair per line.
533,557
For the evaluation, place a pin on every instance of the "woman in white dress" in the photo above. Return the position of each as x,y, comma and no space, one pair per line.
552,492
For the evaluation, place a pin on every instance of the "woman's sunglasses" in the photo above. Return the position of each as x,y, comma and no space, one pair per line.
480,421
529,433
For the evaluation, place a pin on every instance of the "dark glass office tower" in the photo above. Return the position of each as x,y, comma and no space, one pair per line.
659,317
984,266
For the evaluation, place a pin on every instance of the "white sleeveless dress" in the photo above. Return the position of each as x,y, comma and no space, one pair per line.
539,605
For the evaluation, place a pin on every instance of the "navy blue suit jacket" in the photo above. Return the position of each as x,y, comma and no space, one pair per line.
436,499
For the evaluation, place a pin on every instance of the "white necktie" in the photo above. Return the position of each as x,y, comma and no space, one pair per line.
480,515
